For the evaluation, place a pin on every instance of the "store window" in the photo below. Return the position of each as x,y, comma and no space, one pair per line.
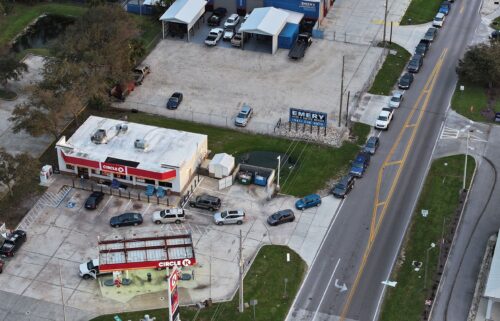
68,166
120,176
165,184
149,181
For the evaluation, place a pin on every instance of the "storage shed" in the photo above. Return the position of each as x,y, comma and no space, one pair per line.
183,14
288,35
221,165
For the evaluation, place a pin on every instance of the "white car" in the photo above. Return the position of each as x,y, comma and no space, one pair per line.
229,217
214,36
384,119
232,21
396,99
228,34
169,215
439,20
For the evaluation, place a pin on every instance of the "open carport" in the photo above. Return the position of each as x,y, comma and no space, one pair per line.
181,16
266,24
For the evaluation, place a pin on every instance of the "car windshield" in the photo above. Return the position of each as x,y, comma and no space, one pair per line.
370,144
438,19
396,99
242,115
90,265
382,118
174,99
340,185
223,214
136,216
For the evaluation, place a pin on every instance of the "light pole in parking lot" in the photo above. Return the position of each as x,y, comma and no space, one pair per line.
279,167
466,156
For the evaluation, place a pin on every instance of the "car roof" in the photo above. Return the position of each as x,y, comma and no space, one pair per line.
312,196
373,139
233,16
246,108
384,113
397,94
440,15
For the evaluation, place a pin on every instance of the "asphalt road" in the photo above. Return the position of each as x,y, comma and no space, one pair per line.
365,236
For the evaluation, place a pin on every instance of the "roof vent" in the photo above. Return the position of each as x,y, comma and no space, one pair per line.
99,136
141,144
124,127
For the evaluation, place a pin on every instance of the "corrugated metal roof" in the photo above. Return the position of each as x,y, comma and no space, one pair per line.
265,21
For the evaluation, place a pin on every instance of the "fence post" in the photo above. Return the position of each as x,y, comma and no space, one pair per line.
168,203
119,192
147,197
73,181
139,196
92,187
157,200
128,194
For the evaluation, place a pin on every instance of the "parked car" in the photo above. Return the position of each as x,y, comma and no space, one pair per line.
206,201
140,73
175,100
169,215
308,201
229,217
384,119
439,20
343,187
216,17
281,217
396,99
360,164
422,48
12,243
300,46
93,200
237,38
405,81
495,34
415,63
445,7
232,21
214,36
243,116
90,269
126,219
228,34
430,34
372,145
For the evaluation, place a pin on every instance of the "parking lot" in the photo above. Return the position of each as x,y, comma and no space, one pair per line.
216,81
62,237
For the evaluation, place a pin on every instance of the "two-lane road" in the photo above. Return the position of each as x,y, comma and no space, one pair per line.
362,245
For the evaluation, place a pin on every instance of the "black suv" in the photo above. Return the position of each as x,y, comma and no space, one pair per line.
343,187
12,243
422,48
216,17
206,201
93,200
415,63
405,81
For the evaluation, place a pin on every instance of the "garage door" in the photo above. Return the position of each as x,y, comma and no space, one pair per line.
230,5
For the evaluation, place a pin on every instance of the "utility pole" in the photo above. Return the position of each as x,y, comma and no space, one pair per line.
279,167
341,90
210,273
385,19
241,307
347,110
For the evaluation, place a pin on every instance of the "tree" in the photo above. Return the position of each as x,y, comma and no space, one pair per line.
137,50
10,68
42,114
481,65
18,168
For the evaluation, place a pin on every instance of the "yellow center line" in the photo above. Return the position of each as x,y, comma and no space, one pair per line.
411,126
375,224
380,204
462,8
392,163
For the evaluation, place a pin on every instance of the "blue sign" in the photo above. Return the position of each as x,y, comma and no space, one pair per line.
307,117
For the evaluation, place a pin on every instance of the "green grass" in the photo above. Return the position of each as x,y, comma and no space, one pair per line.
316,163
12,24
391,70
495,24
471,102
440,195
7,94
149,30
264,282
421,11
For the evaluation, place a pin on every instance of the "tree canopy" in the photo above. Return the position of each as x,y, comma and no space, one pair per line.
481,64
10,68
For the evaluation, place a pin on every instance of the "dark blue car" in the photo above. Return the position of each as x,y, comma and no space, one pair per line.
359,165
126,219
308,201
445,7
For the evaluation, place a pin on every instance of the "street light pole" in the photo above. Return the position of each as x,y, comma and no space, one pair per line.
385,20
433,245
466,156
279,167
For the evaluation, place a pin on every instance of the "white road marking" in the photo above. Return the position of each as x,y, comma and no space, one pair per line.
326,290
105,205
449,133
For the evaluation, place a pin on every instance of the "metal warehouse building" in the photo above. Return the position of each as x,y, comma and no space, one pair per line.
134,154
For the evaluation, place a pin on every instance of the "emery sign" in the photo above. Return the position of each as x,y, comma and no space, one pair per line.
307,117
309,6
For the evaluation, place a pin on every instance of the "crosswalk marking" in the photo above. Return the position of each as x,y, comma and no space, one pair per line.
449,133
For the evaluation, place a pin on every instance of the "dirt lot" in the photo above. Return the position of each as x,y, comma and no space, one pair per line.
216,81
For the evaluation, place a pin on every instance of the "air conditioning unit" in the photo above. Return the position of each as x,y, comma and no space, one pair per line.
141,144
99,136
124,127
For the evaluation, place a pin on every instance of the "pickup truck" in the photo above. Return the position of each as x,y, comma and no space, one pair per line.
300,46
140,73
90,269
214,36
384,118
12,243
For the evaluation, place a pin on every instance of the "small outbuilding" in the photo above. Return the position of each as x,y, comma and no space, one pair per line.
182,15
267,23
221,165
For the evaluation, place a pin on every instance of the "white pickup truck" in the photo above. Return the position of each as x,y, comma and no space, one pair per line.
384,119
214,36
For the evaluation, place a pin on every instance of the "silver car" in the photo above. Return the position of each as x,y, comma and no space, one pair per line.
229,217
244,116
396,99
169,215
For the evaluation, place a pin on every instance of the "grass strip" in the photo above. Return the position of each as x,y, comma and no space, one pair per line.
391,70
265,282
421,11
472,101
440,196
